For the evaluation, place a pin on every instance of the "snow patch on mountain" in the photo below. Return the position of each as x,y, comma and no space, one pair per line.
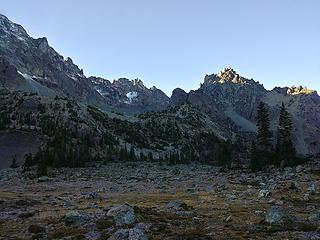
99,91
131,96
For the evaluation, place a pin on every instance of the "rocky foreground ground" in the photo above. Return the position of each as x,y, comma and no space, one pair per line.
151,201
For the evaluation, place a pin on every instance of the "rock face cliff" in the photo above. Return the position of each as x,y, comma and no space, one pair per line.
131,96
233,100
37,62
40,64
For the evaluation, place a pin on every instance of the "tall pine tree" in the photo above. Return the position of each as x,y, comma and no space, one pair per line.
264,146
254,161
285,151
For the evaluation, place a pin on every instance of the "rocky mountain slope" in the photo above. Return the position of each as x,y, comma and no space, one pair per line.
39,63
73,134
130,96
39,84
233,100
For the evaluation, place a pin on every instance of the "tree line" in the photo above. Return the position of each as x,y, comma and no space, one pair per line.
263,151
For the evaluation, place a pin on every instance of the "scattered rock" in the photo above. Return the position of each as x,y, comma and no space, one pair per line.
121,234
93,205
190,191
177,205
231,197
264,193
44,179
75,218
294,185
306,196
145,227
311,188
221,188
129,234
299,169
258,212
136,234
314,217
278,215
93,235
310,236
185,213
123,215
92,195
7,174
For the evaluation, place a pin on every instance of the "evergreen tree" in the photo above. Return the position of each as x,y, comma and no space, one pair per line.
123,154
132,154
28,161
150,157
142,157
224,153
172,160
254,163
285,151
14,162
42,169
264,137
4,120
264,146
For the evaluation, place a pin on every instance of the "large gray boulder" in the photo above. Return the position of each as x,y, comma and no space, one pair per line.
278,215
129,234
315,217
75,218
177,205
123,215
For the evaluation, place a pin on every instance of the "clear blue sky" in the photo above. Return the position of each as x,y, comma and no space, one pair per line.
171,43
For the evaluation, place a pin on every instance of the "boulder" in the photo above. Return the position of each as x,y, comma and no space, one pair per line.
121,234
136,234
278,215
314,217
264,193
75,218
311,188
231,197
228,219
123,215
44,179
190,191
92,195
293,185
299,169
177,205
145,227
129,234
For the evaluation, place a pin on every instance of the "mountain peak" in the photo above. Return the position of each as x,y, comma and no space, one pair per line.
3,16
228,74
227,70
12,29
299,90
138,82
43,44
